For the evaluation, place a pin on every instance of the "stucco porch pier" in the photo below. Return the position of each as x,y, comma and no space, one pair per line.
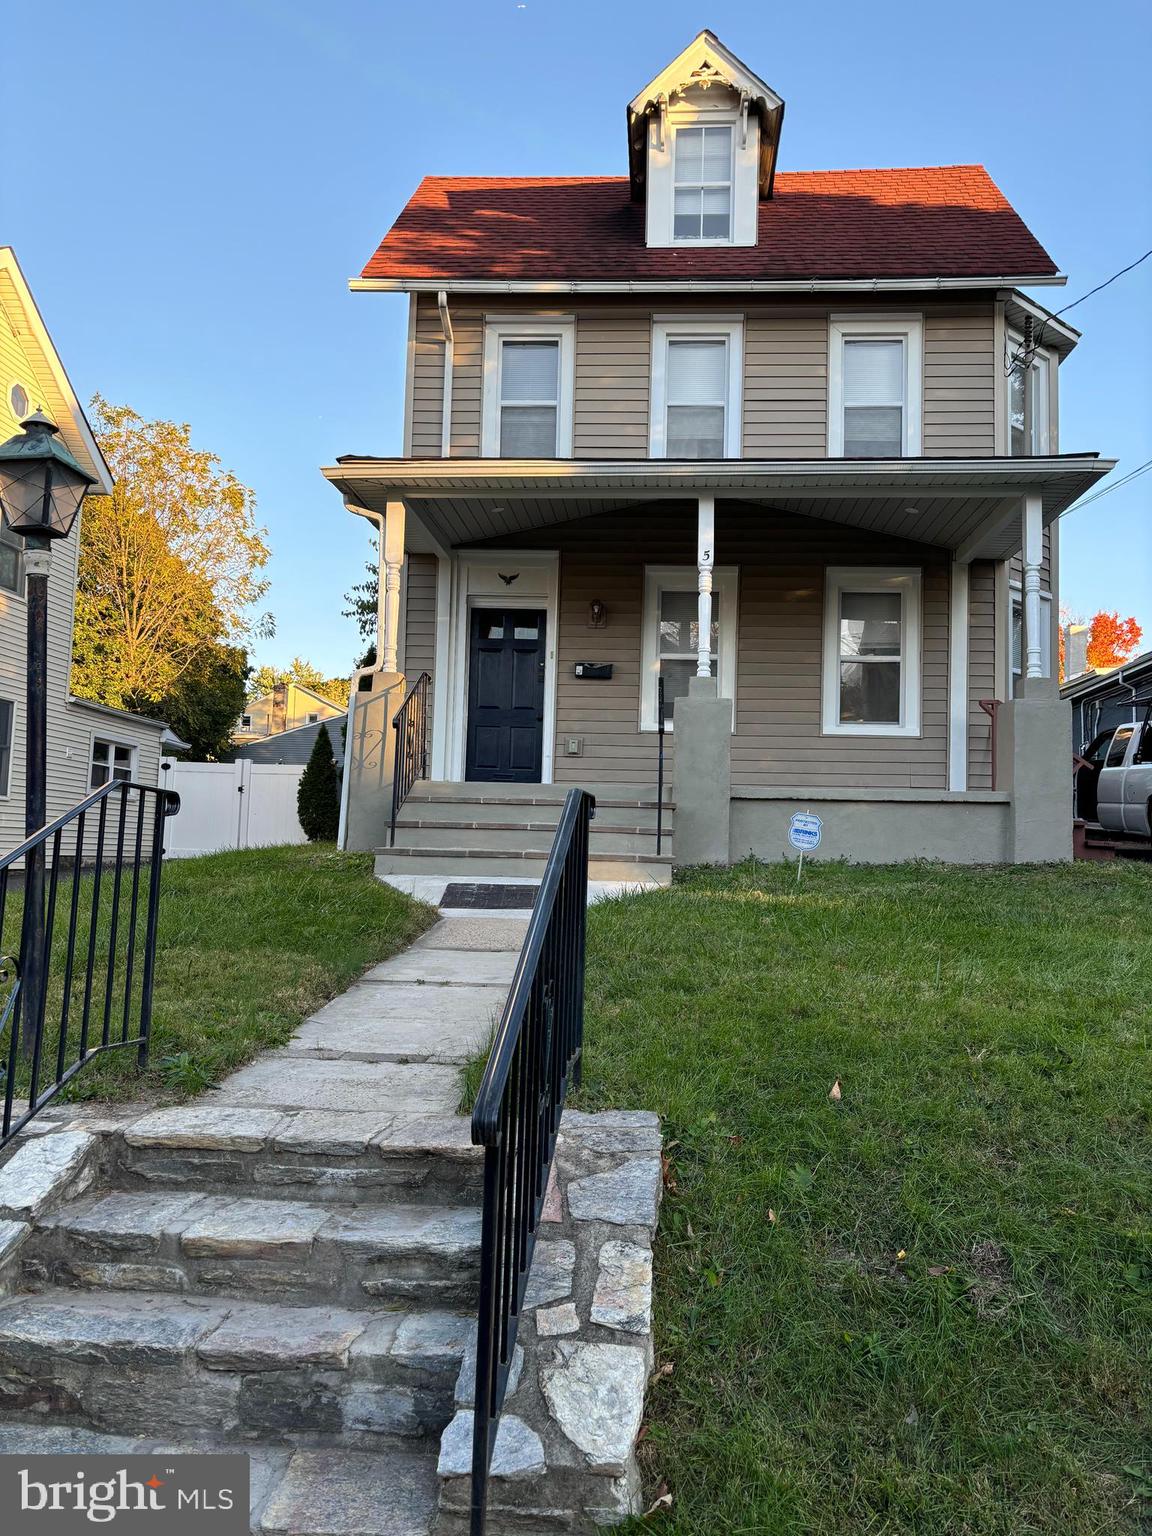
840,622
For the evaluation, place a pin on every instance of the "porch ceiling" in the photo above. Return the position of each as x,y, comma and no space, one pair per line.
970,506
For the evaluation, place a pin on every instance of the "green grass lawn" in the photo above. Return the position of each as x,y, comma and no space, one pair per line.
249,944
928,1308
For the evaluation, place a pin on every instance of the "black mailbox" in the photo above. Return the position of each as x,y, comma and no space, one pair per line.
594,671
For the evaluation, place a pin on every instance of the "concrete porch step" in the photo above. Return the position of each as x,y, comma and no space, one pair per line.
612,811
351,1157
495,863
331,1492
282,1250
533,837
166,1365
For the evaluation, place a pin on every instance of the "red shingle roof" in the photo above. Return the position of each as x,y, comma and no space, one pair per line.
932,221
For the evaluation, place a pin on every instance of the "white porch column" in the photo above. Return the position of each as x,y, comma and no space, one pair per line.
705,551
1033,538
391,562
958,677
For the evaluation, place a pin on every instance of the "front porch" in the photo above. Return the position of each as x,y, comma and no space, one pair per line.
547,600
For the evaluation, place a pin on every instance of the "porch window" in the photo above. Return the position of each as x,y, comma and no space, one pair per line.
11,558
1016,668
872,652
7,716
528,390
110,760
874,372
1029,402
696,395
671,631
702,185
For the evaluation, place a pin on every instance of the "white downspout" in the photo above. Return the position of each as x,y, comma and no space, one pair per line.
449,360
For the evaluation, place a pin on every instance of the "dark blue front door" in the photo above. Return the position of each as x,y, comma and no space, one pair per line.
505,695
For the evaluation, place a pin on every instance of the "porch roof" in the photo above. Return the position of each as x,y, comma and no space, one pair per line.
970,506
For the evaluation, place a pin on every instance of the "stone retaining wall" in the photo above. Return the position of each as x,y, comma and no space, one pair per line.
565,1454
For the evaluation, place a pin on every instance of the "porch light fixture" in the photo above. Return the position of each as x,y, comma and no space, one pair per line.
41,484
41,488
597,614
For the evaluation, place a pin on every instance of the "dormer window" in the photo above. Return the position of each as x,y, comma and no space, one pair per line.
702,197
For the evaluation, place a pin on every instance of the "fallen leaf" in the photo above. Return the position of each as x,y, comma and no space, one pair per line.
936,1270
736,1141
901,1256
661,1503
771,1217
836,1093
668,1173
666,1369
643,1435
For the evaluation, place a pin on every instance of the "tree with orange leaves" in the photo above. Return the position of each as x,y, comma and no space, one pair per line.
1111,640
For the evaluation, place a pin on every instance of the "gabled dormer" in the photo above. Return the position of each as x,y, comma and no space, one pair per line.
702,143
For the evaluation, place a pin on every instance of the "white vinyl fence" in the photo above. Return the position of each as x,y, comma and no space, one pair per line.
231,805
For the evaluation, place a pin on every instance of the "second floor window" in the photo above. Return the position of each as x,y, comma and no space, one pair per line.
702,186
11,552
696,396
874,387
528,390
1028,402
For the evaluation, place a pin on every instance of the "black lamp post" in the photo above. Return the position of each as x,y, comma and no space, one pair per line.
41,488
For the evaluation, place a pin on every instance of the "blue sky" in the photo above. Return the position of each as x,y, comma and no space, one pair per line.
189,188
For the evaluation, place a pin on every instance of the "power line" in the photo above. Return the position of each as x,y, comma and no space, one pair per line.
1024,354
1133,474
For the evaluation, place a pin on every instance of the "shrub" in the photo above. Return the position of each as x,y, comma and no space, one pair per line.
318,798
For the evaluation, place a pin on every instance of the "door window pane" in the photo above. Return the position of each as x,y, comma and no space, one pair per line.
873,398
1119,746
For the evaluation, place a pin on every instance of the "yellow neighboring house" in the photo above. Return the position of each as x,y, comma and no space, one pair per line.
87,743
286,707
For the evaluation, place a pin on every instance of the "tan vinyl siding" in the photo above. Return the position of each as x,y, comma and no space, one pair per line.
420,616
959,380
786,383
785,371
981,670
781,561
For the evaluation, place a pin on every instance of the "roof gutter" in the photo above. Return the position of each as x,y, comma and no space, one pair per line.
442,286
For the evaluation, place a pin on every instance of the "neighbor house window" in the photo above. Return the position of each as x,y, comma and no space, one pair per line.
110,760
1029,401
872,652
11,558
696,394
671,630
245,722
702,184
874,371
313,718
1017,660
7,718
528,389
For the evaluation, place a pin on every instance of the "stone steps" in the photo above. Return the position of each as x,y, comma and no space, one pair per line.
286,1250
329,1492
175,1365
496,862
300,1154
529,837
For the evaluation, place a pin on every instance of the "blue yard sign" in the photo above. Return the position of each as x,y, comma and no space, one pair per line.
804,831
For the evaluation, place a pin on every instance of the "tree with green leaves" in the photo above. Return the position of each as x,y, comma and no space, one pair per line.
303,673
318,798
206,700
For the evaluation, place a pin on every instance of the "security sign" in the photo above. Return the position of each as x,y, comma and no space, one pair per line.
804,831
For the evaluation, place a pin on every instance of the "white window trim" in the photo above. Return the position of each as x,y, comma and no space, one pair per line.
1047,661
696,242
686,578
908,328
6,789
1041,427
660,199
728,328
870,578
496,332
131,747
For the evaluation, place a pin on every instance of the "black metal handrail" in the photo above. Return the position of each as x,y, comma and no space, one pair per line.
536,1054
660,727
410,722
90,963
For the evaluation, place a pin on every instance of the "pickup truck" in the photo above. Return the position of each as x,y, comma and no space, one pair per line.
1114,783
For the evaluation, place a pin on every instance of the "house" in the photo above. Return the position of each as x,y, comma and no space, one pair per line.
287,707
88,743
781,447
294,746
1101,701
